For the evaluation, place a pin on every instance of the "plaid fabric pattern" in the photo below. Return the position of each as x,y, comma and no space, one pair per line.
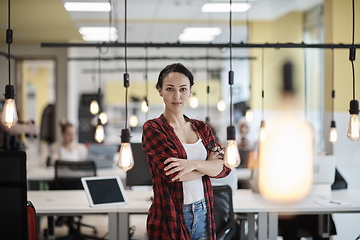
165,218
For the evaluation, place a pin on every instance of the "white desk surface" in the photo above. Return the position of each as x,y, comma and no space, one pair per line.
253,202
75,201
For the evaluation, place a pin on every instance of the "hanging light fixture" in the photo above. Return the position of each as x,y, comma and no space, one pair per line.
286,155
353,129
333,134
145,102
9,115
94,106
99,131
262,136
194,102
232,156
126,158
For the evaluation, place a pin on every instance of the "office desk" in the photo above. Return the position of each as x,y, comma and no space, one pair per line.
244,200
268,212
74,202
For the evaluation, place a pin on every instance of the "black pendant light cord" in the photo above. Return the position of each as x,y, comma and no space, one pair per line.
332,83
208,86
146,80
99,79
110,20
262,83
126,75
353,49
9,41
231,73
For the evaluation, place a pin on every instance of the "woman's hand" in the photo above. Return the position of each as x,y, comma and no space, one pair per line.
216,153
180,166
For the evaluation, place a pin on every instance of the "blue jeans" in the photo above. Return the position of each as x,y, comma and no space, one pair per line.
195,219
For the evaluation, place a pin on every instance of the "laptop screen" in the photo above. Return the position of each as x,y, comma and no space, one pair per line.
104,191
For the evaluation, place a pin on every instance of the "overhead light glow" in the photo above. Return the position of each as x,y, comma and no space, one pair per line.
225,7
199,34
93,34
87,6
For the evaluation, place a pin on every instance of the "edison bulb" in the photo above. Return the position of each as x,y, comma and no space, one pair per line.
103,118
144,106
333,135
249,115
232,156
286,160
133,121
126,159
221,106
194,102
9,115
353,129
99,134
94,107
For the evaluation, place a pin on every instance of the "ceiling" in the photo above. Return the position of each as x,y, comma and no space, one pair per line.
37,21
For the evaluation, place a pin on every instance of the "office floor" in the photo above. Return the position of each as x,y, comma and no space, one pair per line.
101,223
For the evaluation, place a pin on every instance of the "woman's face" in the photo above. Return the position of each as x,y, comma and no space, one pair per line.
175,91
69,135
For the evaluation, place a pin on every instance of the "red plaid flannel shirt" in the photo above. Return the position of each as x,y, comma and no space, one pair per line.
165,218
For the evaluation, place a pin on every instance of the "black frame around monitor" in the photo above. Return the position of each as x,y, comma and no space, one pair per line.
139,175
13,191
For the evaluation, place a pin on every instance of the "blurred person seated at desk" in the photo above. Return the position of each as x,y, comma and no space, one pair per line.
9,137
245,146
68,149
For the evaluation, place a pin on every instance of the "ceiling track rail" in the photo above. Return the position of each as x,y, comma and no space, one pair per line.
157,58
201,45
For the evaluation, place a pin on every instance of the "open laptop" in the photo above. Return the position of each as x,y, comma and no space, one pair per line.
102,155
104,191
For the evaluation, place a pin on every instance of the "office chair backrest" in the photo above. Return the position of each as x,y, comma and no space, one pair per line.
32,226
224,212
68,174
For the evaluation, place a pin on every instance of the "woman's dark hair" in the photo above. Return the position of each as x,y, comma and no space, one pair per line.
175,67
64,125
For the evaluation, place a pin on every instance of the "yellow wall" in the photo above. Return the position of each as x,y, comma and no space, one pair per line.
115,92
40,80
338,29
285,29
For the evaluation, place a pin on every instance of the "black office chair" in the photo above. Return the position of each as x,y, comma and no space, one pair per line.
226,226
68,176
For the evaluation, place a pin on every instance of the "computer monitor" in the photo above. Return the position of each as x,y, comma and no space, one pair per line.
102,155
13,190
139,175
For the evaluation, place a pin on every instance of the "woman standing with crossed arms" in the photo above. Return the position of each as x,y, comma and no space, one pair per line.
182,154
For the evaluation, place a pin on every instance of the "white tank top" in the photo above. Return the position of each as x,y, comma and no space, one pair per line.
194,190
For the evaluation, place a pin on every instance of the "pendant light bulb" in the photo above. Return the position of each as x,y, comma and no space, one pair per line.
249,115
221,106
232,156
262,135
353,129
286,155
99,133
126,159
194,102
133,120
145,105
9,115
103,118
94,107
333,133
